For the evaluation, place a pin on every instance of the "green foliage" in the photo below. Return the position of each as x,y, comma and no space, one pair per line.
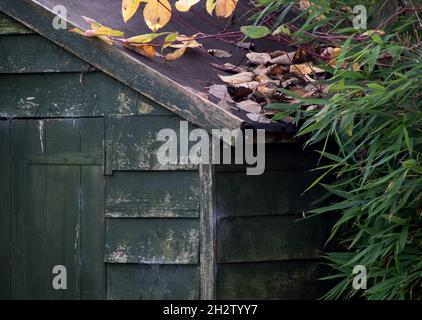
374,116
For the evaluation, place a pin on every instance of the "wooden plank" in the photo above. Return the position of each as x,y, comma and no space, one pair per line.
92,233
63,220
288,280
135,143
152,282
272,193
70,95
208,231
153,194
63,242
124,67
5,211
28,224
278,157
270,238
33,53
152,241
11,26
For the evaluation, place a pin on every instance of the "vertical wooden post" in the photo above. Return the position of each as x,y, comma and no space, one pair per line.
207,228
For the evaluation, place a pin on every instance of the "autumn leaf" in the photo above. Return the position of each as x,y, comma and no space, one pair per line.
225,8
238,78
304,69
143,49
145,38
98,30
129,8
157,14
185,5
210,6
185,43
255,32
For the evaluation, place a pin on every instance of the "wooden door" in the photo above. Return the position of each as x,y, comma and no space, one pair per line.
55,214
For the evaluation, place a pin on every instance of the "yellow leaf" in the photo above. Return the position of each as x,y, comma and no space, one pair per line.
98,29
170,38
225,8
176,54
157,14
144,38
185,5
146,50
189,42
210,5
305,69
304,4
129,8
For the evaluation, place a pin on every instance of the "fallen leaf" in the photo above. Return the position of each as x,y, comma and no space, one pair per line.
144,38
305,4
225,8
245,45
304,69
219,53
98,29
229,67
261,69
286,58
176,54
157,14
129,8
145,50
220,91
258,58
249,106
238,78
185,5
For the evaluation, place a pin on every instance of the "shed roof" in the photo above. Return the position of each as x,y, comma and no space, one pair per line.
179,86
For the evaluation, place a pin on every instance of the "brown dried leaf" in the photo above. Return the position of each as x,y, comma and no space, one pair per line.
238,78
219,53
249,106
286,58
220,91
258,58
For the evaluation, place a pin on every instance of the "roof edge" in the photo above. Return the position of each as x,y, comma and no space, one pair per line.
123,67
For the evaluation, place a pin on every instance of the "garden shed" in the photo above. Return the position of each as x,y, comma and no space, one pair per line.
80,185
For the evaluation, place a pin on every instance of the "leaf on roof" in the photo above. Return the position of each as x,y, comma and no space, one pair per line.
157,14
258,58
185,5
238,78
219,53
255,32
225,8
129,8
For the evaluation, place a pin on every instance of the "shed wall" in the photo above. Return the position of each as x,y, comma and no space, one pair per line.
80,185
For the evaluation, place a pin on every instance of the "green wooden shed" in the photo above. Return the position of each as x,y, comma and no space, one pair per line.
80,185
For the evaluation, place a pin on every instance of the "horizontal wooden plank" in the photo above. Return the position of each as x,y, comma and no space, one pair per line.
11,26
272,193
281,156
33,53
70,158
152,282
70,95
270,238
153,194
152,241
135,144
288,280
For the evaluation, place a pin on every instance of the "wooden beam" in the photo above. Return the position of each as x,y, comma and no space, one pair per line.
207,231
119,64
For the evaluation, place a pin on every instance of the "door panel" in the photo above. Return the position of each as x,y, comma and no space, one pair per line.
58,214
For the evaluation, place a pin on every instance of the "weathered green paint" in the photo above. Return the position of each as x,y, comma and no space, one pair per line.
272,193
135,144
10,26
33,53
153,194
270,238
5,210
288,280
152,282
50,206
70,95
152,241
208,234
